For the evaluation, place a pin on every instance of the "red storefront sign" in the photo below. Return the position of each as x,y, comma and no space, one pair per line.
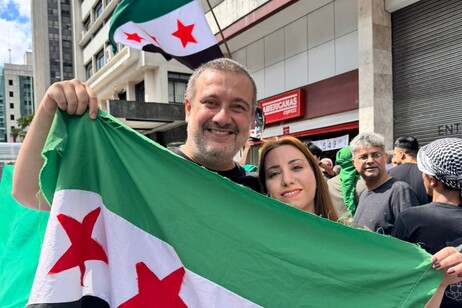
284,106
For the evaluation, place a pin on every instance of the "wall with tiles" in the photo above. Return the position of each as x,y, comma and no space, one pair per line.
317,46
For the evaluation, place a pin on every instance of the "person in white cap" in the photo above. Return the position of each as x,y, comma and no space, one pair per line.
439,223
327,166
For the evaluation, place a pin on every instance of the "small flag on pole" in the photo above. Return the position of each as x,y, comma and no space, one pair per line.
175,28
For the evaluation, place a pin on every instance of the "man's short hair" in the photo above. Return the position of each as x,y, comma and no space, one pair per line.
314,149
367,140
408,144
221,65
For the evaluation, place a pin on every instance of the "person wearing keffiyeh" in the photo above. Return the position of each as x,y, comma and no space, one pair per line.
437,224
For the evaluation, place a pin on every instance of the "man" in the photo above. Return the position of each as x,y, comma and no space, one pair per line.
219,106
314,149
220,103
384,197
405,156
437,224
317,153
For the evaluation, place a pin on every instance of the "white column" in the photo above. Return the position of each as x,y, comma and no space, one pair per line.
375,69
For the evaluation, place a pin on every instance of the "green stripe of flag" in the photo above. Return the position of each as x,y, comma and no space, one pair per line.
21,235
263,250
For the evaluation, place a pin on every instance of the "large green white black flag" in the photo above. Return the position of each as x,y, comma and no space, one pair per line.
134,225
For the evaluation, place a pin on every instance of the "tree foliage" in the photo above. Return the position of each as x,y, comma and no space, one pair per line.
23,124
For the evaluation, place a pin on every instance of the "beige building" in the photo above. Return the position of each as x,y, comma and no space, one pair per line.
355,63
18,95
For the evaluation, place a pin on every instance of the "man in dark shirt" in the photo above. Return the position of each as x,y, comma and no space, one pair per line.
437,224
220,103
405,155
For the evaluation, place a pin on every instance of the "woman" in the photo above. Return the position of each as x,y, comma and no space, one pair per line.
288,172
437,224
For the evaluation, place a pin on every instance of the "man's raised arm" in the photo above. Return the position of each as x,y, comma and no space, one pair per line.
72,96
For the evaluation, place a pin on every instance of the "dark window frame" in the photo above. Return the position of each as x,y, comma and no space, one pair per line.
174,81
140,91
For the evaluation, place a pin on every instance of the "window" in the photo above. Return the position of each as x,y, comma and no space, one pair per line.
99,60
98,10
11,105
89,70
177,83
10,82
11,94
12,117
123,96
139,92
86,24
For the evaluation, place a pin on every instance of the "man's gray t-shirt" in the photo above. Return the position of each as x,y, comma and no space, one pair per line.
377,209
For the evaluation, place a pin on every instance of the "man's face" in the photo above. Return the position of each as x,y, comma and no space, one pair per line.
370,162
219,117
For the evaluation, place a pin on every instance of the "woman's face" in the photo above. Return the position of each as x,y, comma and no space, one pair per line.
289,178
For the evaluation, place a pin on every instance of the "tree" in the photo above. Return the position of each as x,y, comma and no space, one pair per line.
21,131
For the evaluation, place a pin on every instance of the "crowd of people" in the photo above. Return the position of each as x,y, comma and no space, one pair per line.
219,106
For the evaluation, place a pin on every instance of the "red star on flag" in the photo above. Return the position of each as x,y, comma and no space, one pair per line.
133,37
83,246
153,292
184,33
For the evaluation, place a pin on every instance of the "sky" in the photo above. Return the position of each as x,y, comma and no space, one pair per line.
15,30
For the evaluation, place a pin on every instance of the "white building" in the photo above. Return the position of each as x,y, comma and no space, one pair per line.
18,96
357,64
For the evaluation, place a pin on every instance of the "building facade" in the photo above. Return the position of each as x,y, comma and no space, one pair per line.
427,70
2,108
389,66
18,94
52,43
325,69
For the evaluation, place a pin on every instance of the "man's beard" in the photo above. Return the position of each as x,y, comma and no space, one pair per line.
203,152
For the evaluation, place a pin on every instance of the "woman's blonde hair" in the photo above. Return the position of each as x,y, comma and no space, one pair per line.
322,202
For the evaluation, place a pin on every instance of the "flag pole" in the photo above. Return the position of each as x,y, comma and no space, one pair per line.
219,29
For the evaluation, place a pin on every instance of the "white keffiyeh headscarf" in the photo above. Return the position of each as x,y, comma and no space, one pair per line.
442,159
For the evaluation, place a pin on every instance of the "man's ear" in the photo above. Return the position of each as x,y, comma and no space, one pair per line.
187,109
432,180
